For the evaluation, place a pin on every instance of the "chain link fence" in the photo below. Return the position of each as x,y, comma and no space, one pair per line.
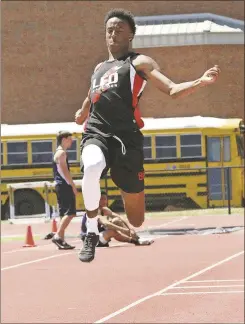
172,189
192,188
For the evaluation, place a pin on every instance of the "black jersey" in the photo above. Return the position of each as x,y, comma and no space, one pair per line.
59,177
114,93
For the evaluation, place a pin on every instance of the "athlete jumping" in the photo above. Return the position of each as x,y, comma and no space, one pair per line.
112,138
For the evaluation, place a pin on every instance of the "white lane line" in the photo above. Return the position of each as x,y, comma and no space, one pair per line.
49,245
35,261
58,255
139,301
215,280
35,248
204,292
198,287
47,258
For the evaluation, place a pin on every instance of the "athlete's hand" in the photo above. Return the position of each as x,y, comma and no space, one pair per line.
210,76
79,118
133,234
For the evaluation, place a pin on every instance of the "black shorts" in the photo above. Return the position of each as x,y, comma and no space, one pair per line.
66,200
127,171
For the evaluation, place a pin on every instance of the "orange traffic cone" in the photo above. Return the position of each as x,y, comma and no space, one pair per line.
29,238
54,226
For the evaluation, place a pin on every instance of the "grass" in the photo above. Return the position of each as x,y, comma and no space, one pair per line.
18,238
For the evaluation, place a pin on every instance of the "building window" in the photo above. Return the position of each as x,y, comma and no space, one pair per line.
147,148
166,147
190,146
42,151
72,151
17,152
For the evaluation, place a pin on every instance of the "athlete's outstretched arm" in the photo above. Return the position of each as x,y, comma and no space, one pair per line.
110,225
117,220
108,212
151,71
82,113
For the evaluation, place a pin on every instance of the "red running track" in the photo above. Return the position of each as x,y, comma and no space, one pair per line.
43,285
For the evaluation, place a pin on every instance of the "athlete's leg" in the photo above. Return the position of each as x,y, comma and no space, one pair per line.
67,209
123,223
93,163
128,175
121,237
59,237
134,205
65,221
133,238
107,235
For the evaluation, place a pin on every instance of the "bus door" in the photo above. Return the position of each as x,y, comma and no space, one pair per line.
218,157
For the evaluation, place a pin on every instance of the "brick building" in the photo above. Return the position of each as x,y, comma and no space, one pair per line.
50,48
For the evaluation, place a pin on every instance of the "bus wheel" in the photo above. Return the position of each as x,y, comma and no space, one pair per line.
28,202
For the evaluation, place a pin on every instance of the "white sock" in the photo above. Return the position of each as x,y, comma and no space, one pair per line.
92,225
56,236
102,239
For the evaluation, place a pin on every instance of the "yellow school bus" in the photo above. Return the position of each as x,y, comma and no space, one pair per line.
26,156
185,163
192,155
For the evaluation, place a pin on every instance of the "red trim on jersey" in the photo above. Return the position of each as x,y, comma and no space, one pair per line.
137,116
138,82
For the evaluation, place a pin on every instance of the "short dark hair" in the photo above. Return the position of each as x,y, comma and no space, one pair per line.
61,135
122,14
103,193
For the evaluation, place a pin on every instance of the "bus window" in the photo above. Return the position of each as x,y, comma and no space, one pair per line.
215,183
166,147
147,148
17,152
227,149
214,149
72,151
240,145
190,145
41,151
1,153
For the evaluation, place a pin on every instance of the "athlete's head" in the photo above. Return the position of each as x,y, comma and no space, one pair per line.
64,138
103,199
120,30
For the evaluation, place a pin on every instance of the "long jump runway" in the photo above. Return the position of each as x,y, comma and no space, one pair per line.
179,279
